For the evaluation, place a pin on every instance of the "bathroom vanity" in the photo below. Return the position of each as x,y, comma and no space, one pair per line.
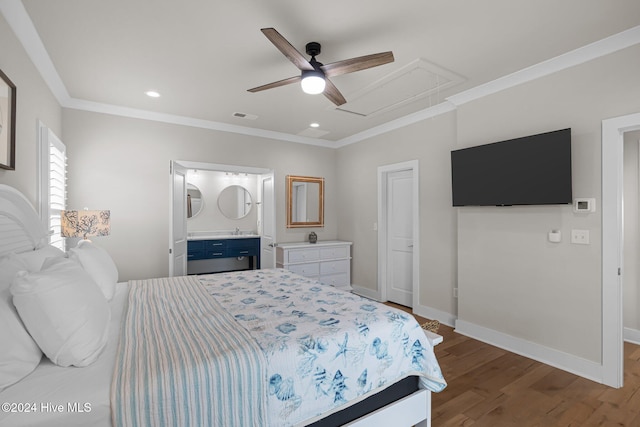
216,253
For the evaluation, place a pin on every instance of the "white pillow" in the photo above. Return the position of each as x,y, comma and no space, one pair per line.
35,259
20,354
97,262
64,311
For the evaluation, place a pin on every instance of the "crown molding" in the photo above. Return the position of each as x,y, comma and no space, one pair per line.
418,116
18,19
135,113
575,57
21,24
570,59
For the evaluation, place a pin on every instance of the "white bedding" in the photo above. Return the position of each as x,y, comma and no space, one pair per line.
52,395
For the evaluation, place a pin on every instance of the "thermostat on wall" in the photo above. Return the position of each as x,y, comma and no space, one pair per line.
584,205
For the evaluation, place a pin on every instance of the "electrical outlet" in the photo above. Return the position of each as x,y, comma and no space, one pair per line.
580,237
455,292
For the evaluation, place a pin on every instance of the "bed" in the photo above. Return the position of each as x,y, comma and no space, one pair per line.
262,347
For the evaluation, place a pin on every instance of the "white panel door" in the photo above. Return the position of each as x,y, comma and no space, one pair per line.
178,228
268,223
400,237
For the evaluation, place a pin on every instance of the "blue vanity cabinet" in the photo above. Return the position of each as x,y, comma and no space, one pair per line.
206,249
210,249
244,247
195,250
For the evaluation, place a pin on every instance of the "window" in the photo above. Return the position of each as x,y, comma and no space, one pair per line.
53,183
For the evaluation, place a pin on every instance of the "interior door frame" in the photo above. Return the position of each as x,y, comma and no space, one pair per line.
261,216
176,169
383,172
612,246
220,168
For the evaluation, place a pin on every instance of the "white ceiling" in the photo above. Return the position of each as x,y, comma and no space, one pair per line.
202,56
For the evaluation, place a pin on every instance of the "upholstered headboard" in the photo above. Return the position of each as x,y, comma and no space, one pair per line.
20,227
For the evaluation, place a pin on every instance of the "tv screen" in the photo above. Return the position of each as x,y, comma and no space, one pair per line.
533,170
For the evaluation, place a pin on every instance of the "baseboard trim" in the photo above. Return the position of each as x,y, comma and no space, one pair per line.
365,292
558,359
632,336
435,314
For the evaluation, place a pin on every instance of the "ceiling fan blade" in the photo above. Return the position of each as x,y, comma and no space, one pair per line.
279,83
332,92
357,64
287,49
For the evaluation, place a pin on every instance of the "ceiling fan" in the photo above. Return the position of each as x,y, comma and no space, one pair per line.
314,76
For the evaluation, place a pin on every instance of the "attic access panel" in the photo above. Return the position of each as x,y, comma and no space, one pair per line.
417,80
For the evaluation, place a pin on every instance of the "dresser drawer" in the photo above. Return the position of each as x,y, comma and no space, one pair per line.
243,251
214,244
340,280
334,252
307,270
303,255
195,254
215,253
332,267
243,243
243,247
195,250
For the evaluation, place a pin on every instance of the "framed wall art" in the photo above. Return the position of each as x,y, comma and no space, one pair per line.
7,123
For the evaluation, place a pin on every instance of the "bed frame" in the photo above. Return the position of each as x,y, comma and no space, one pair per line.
402,404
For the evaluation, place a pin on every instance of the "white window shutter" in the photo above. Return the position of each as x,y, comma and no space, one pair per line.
53,184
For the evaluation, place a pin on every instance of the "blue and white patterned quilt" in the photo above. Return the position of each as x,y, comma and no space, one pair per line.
324,346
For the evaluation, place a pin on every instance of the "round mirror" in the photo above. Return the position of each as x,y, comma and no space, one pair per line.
194,200
235,202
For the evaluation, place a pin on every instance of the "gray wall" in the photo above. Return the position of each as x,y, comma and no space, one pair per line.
34,102
511,279
122,164
430,142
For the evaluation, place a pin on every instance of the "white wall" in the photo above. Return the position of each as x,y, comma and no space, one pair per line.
122,164
34,102
211,184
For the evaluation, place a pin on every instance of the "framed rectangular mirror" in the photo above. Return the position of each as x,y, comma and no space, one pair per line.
7,123
305,201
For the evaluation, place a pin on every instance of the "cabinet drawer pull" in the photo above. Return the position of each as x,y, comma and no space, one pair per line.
217,253
244,252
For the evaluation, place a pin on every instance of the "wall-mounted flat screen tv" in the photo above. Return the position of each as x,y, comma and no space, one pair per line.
533,170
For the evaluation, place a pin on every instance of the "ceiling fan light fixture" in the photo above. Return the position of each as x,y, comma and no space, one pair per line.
312,82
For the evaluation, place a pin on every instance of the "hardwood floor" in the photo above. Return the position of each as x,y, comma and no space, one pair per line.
491,387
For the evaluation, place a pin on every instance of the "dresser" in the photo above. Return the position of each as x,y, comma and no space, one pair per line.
328,262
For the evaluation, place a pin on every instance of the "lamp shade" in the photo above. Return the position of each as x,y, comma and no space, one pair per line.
85,223
312,82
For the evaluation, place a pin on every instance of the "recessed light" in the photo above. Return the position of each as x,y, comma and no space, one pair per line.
152,94
315,125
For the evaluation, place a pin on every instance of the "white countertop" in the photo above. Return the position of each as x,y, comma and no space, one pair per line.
307,244
214,235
